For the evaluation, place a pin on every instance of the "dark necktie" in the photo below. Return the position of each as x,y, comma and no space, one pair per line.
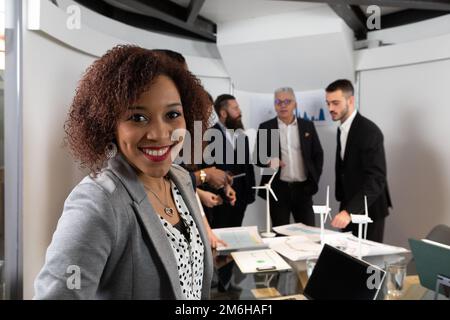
339,139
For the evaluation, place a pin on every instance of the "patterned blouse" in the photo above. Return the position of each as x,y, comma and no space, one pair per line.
188,251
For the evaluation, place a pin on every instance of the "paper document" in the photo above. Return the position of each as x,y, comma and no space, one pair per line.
265,260
297,248
360,218
321,209
239,238
300,229
277,240
304,243
370,248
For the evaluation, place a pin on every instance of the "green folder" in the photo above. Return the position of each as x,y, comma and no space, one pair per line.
431,260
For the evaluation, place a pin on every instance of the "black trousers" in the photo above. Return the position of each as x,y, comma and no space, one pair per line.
292,197
375,230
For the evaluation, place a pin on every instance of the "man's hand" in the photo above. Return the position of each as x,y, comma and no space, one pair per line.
341,220
209,199
216,178
229,178
230,194
276,163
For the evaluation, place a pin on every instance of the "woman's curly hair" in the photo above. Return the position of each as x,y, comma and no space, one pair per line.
110,86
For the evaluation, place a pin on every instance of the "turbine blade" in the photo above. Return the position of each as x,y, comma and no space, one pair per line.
273,176
328,203
365,230
273,194
365,206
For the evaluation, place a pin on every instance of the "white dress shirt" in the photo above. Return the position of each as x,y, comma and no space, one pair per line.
291,153
345,128
231,138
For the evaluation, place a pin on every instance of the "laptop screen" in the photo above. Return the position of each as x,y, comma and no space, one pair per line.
339,276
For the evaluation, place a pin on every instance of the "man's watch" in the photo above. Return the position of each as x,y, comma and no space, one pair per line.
202,176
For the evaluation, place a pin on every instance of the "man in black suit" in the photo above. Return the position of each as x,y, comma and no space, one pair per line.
233,157
360,163
299,158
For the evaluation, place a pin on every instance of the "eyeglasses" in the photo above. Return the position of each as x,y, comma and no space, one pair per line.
284,102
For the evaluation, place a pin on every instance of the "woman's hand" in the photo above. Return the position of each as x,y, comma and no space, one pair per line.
209,199
214,240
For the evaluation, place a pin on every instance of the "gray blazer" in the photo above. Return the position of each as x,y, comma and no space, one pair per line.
110,233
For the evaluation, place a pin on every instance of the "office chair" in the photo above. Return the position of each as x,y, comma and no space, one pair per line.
440,233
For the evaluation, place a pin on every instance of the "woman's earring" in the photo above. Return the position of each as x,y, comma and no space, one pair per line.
111,150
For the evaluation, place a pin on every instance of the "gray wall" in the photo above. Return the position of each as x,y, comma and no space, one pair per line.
50,79
410,105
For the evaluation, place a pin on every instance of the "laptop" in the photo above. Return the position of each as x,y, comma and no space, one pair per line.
340,276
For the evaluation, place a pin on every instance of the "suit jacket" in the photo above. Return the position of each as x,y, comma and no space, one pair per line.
110,231
237,160
363,170
311,149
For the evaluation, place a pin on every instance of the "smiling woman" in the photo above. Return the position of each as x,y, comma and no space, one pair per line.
132,229
144,133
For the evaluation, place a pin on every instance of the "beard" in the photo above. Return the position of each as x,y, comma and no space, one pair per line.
341,115
345,113
234,123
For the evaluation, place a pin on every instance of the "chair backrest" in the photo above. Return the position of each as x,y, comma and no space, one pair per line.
440,233
432,260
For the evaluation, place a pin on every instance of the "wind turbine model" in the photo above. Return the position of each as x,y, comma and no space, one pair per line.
268,233
362,221
324,211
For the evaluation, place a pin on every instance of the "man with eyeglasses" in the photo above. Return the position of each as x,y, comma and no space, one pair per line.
299,159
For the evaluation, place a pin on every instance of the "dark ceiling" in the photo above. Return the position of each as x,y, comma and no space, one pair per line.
182,17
